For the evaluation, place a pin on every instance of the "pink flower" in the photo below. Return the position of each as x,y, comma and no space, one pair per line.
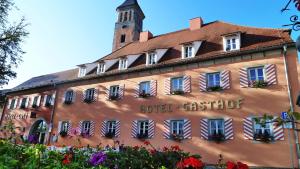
75,132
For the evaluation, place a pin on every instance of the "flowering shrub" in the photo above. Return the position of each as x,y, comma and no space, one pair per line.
239,165
190,162
97,158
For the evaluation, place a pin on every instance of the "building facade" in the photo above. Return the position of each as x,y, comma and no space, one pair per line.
199,88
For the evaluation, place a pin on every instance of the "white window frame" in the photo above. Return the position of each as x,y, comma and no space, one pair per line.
64,126
188,51
214,79
257,126
256,73
90,93
178,79
114,90
35,100
215,129
101,68
143,127
148,87
123,64
86,127
177,127
68,96
151,58
23,101
229,46
49,99
12,104
82,71
111,126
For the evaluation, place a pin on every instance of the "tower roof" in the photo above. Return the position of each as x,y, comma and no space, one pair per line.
128,3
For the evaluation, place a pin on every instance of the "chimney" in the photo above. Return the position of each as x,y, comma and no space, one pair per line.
196,23
145,36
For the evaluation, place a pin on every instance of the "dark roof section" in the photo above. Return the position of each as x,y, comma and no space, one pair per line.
253,40
128,3
47,79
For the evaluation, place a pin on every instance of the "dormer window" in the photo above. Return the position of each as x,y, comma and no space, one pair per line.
82,71
101,68
187,51
232,42
152,58
123,64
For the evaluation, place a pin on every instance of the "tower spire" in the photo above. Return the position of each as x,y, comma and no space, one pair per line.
129,23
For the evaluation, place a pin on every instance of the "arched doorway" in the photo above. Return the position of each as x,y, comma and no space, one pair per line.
39,130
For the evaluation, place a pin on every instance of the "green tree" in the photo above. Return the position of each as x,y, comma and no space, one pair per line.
11,38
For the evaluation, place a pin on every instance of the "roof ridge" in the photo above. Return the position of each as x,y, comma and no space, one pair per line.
283,29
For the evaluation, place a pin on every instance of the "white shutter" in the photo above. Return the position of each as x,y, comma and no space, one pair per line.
8,103
44,100
59,127
204,130
202,82
16,103
167,86
153,87
187,129
64,97
38,101
167,129
134,130
53,99
187,84
27,102
228,128
74,96
225,79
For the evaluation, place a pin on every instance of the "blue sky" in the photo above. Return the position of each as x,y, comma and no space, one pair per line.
66,33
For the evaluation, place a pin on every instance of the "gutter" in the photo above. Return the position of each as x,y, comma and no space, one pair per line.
291,104
52,114
162,65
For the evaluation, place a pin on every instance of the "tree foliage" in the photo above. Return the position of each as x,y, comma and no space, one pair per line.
11,38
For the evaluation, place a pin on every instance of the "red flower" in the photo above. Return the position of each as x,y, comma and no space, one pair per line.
190,162
152,151
146,143
136,147
231,165
165,149
67,159
242,165
175,148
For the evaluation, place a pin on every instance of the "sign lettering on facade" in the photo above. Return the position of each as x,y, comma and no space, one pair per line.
16,116
193,106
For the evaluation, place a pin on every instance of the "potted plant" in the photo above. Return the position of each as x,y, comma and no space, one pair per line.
214,88
177,92
63,133
114,97
263,137
143,94
68,102
217,137
176,137
142,136
109,134
258,84
48,104
88,100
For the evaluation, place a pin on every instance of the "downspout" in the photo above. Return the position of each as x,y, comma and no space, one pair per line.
291,104
4,108
52,115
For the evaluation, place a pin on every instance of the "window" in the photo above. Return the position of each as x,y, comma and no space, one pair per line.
125,16
177,84
89,95
12,104
48,101
82,71
123,38
130,15
152,58
35,102
120,17
111,127
64,126
23,103
213,80
177,127
101,68
231,44
188,51
216,127
122,64
144,88
69,97
256,74
86,126
143,127
266,129
114,91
